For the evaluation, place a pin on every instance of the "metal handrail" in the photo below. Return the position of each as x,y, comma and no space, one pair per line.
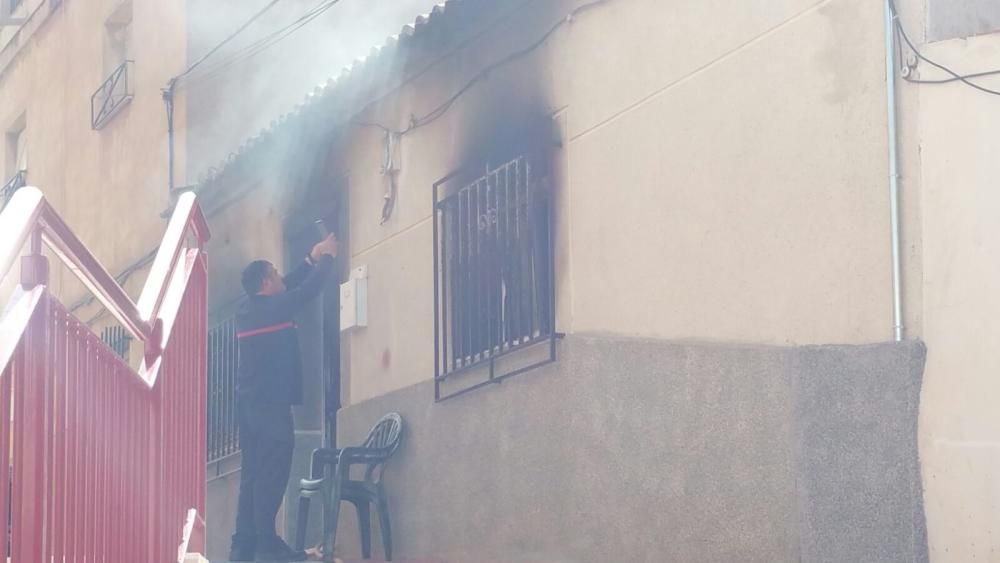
30,214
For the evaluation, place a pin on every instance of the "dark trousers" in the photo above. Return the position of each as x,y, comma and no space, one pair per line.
267,437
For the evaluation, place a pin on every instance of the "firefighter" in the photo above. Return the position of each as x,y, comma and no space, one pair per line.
269,383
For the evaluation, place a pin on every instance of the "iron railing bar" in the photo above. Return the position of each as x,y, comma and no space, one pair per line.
477,271
454,271
212,394
531,250
497,380
517,318
436,213
441,268
468,319
510,351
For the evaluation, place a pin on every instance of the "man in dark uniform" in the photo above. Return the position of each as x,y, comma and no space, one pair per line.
269,383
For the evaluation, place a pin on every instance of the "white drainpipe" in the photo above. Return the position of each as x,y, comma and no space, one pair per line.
890,87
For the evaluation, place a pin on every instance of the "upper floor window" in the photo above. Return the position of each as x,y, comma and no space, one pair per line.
116,90
15,160
16,149
493,265
118,38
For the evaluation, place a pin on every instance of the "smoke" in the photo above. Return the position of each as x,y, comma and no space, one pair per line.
229,100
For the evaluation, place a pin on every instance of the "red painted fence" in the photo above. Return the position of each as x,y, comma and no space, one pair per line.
105,462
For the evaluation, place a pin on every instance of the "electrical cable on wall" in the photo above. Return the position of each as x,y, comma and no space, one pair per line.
231,36
393,137
903,38
262,44
192,72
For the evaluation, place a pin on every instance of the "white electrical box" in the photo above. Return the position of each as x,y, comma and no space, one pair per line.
354,300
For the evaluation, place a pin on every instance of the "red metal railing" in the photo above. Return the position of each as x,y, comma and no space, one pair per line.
99,461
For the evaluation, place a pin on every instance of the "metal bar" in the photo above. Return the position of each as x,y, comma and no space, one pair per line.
505,269
452,266
893,143
477,274
59,458
463,282
441,263
231,382
491,279
90,390
212,404
6,376
470,303
186,214
512,350
530,252
517,317
551,278
29,441
497,380
437,266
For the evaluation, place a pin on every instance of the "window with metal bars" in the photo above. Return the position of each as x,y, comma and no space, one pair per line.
493,265
223,358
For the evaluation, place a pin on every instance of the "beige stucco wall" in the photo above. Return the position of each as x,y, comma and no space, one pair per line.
720,179
960,420
109,185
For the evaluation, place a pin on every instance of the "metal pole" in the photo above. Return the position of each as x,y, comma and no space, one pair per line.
890,81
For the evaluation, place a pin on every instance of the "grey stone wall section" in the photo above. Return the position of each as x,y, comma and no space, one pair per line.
860,493
636,450
952,19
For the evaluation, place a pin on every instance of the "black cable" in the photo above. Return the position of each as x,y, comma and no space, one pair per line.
955,77
231,36
442,109
265,42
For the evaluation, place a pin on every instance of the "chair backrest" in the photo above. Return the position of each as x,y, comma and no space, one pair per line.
386,434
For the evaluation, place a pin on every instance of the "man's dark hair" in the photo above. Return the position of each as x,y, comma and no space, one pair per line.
254,276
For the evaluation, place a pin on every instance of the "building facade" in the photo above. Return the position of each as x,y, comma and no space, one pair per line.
83,120
678,216
719,183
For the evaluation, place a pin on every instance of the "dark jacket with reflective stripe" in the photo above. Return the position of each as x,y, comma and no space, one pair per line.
270,368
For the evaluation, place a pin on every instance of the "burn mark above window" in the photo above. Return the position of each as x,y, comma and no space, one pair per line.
493,263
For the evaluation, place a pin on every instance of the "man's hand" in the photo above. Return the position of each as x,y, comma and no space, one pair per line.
327,246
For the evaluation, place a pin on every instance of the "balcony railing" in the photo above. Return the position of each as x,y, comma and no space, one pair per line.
16,182
111,97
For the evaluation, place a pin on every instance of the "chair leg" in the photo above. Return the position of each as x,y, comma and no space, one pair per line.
365,527
301,523
383,521
331,513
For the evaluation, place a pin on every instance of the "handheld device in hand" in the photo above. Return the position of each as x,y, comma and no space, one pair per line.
321,229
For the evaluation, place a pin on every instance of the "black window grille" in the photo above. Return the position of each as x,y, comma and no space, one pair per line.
493,275
16,182
112,96
118,339
223,358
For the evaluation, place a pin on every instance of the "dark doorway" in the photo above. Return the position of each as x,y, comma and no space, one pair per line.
319,334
